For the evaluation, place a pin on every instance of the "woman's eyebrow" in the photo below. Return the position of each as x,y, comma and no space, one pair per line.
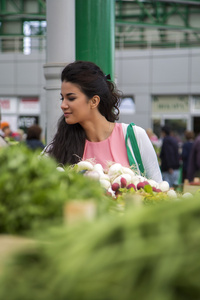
70,94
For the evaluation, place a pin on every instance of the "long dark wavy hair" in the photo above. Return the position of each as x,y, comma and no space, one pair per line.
68,143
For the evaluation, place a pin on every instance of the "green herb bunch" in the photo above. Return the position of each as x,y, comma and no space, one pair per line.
33,192
150,252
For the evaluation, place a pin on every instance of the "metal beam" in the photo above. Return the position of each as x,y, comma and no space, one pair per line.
12,8
191,3
157,26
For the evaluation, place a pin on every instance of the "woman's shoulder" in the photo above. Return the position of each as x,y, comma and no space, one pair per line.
137,129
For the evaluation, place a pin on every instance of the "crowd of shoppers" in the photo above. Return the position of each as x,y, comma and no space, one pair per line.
32,138
178,161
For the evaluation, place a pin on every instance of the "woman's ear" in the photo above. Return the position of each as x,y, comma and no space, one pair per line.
95,101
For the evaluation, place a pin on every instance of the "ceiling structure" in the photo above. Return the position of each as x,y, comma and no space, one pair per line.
12,10
157,23
139,23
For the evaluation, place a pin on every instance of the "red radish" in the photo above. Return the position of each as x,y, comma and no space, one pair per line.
115,186
156,190
140,185
145,183
123,182
131,185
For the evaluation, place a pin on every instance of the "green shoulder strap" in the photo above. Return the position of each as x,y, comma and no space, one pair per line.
131,136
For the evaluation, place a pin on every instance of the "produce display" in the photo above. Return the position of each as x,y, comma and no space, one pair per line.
149,252
34,189
118,180
33,192
131,249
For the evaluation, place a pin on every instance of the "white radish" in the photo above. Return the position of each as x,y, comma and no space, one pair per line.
164,186
141,178
104,177
98,168
60,169
127,170
153,183
105,184
135,180
172,194
115,170
84,165
92,174
187,195
138,178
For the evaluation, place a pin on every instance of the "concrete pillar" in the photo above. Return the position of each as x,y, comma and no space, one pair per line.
60,51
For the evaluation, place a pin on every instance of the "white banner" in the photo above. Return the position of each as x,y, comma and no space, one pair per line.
8,105
30,106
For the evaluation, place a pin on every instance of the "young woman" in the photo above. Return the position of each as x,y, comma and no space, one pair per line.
88,129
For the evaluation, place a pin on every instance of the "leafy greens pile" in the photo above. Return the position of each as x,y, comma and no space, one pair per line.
150,252
33,192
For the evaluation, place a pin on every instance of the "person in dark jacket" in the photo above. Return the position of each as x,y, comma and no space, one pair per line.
194,160
33,139
186,149
169,156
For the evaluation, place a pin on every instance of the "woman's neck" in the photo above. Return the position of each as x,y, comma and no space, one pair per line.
98,130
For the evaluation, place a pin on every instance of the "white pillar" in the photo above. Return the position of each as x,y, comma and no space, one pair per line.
60,51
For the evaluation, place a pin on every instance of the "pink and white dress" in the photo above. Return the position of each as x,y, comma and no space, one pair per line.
113,149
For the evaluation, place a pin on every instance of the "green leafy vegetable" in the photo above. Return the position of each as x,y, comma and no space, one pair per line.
33,192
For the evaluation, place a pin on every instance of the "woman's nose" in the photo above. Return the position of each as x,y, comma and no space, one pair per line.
64,104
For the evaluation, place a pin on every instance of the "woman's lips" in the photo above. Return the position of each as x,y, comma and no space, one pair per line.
67,114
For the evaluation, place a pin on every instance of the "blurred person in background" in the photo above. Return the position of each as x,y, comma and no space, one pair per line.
169,156
194,160
9,136
33,139
153,137
3,143
186,149
5,129
5,134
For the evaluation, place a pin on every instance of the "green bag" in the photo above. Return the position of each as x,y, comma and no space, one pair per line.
134,145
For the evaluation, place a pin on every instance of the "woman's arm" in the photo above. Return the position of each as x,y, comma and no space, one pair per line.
148,154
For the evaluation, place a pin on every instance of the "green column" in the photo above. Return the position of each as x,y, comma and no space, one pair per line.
95,33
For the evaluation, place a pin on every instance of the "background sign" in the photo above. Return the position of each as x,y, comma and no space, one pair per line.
170,104
25,122
8,105
30,106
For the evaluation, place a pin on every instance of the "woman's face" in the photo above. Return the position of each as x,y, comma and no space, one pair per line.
75,104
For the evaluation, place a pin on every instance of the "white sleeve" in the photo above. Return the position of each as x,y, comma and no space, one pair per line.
46,150
148,154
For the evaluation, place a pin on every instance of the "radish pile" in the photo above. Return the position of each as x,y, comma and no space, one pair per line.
117,177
